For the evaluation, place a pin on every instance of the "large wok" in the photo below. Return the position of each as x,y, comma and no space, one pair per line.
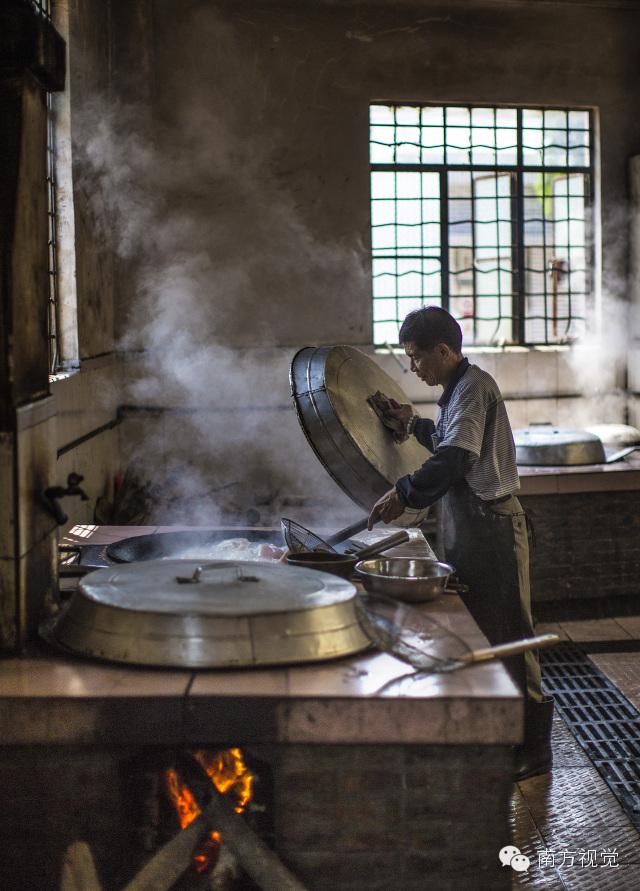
195,544
184,545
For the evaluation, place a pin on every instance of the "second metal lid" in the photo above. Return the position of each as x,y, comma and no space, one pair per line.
330,387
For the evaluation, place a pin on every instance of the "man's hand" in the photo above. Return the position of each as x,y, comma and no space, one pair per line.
393,414
387,508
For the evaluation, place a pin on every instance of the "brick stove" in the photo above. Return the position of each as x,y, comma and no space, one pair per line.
587,558
361,790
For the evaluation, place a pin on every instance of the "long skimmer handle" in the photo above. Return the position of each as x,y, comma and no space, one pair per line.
512,648
383,545
347,532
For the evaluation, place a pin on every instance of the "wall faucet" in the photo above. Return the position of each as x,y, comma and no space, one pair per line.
54,493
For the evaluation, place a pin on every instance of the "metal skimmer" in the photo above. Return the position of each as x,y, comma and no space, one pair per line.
602,720
299,538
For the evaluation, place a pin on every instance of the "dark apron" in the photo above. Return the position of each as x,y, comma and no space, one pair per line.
480,545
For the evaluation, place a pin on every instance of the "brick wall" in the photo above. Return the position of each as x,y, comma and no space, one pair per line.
344,818
587,556
53,796
375,818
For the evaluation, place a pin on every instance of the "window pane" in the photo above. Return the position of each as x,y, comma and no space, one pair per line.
407,114
484,141
385,332
408,212
408,145
384,277
579,120
531,118
507,146
432,140
431,185
458,117
553,118
381,114
432,116
506,117
384,310
408,185
383,184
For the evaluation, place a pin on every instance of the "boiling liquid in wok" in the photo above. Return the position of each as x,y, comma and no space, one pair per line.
232,549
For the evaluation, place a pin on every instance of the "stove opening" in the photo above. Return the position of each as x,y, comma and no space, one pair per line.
230,775
167,805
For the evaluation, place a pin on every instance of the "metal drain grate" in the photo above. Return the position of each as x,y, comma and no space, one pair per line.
602,720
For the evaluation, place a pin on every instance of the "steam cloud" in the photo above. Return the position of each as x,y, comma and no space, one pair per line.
210,239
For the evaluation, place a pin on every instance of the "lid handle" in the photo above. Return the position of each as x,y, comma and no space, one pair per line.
234,573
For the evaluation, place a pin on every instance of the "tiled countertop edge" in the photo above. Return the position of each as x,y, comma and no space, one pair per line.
176,721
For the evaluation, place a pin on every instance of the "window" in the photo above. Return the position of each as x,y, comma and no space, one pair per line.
487,212
43,7
53,252
63,310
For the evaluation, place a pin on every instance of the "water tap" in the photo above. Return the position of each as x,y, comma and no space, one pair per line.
54,493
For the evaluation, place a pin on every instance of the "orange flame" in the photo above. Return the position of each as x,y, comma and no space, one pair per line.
230,775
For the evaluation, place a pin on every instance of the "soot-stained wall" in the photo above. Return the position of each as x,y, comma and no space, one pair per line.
225,147
240,200
266,106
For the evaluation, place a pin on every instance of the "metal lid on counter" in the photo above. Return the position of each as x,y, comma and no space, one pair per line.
187,614
554,446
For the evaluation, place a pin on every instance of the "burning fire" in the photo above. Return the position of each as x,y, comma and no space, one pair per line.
230,775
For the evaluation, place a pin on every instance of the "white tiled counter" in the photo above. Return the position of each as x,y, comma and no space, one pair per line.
61,698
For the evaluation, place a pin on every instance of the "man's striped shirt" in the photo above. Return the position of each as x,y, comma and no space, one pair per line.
473,417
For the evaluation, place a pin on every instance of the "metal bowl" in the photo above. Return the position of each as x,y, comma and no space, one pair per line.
411,579
337,564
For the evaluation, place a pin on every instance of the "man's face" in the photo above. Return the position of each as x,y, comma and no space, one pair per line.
429,365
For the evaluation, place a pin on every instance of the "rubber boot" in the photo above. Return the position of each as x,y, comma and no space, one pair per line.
534,756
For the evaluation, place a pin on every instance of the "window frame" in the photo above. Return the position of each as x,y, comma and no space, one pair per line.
517,172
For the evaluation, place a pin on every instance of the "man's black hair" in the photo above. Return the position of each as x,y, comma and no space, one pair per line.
429,326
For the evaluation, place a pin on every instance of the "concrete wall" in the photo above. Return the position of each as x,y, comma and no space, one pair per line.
275,98
102,65
634,291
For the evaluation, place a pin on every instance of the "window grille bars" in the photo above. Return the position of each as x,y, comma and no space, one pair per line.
510,191
42,7
52,246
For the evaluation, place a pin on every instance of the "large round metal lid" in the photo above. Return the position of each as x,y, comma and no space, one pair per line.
183,613
219,588
552,436
330,387
555,446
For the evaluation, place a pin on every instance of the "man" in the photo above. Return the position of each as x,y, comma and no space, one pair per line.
472,471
